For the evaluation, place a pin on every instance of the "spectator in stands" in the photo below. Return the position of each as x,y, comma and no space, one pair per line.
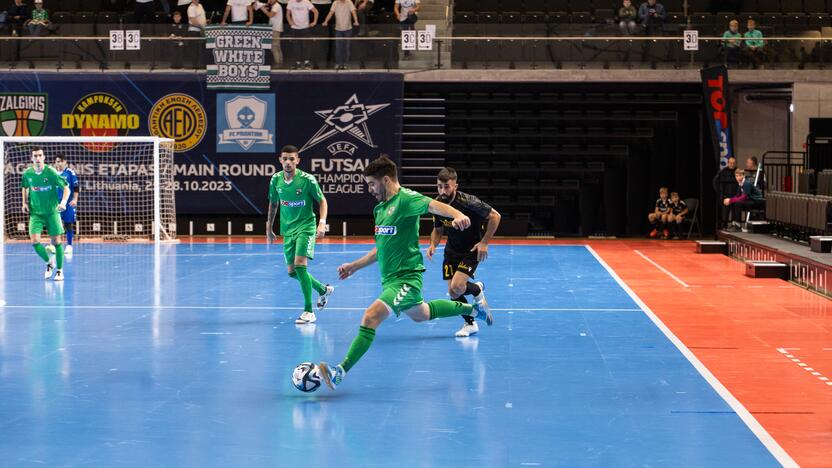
144,12
39,24
345,19
749,197
652,15
678,211
658,217
362,8
17,16
297,13
406,11
731,42
627,16
178,29
752,171
322,7
725,186
182,7
275,13
241,12
754,44
196,18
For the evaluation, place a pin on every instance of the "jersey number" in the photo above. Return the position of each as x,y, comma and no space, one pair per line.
449,271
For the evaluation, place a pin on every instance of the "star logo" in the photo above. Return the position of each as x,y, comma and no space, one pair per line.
350,118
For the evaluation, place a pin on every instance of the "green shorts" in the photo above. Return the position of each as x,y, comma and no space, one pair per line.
52,222
403,292
298,245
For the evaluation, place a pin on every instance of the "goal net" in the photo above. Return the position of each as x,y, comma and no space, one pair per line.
125,185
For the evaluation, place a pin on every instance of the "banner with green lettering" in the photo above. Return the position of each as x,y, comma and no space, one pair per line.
240,56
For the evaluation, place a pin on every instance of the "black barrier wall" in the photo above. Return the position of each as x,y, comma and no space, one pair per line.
226,141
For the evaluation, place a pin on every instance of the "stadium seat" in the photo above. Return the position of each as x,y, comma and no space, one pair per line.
489,6
749,6
771,6
815,6
536,7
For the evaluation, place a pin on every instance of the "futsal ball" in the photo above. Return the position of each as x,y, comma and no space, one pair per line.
50,249
306,378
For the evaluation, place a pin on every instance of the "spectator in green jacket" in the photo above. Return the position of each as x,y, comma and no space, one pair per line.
731,43
754,44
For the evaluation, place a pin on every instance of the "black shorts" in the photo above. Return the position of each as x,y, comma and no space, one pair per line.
466,263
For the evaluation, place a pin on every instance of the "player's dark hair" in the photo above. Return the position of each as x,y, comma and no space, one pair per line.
446,174
289,149
383,166
60,156
37,148
754,160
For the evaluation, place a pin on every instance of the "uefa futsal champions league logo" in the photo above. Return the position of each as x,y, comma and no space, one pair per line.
350,118
246,122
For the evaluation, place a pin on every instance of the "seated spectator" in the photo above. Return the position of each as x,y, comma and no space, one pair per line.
345,19
731,43
749,197
17,16
752,170
754,44
627,17
39,24
241,12
658,217
144,12
652,15
678,211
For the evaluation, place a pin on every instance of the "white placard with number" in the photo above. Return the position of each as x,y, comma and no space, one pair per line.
425,40
409,40
691,40
133,40
431,28
116,40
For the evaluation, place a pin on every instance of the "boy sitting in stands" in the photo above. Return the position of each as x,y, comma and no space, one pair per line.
678,210
658,217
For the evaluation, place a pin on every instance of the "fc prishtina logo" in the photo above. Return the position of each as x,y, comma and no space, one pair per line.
22,114
245,122
350,118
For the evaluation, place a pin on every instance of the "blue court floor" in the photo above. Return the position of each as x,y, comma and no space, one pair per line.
185,358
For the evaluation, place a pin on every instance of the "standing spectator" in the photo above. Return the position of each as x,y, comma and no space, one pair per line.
275,13
40,20
182,7
748,197
652,15
731,42
17,16
196,18
241,12
627,16
725,186
344,11
754,173
323,6
297,13
406,11
178,29
754,44
144,12
363,7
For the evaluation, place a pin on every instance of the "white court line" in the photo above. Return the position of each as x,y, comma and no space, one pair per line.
675,278
188,307
765,438
803,365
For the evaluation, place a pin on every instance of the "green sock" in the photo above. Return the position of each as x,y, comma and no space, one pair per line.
441,308
59,256
305,287
41,251
317,285
293,275
359,346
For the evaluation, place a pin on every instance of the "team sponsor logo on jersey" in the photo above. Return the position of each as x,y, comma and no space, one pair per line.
179,117
22,114
245,122
385,230
100,115
293,204
349,118
447,223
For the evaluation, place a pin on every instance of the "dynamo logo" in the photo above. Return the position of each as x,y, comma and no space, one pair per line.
385,230
293,204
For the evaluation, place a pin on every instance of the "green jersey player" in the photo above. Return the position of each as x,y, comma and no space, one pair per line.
40,200
400,261
295,191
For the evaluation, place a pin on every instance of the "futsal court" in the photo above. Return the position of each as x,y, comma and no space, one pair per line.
602,353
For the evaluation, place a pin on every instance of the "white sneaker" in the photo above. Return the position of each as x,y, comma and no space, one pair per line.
50,266
481,304
68,252
324,298
306,317
59,275
332,375
467,330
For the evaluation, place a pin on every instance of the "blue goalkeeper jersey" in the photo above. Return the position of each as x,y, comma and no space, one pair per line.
71,181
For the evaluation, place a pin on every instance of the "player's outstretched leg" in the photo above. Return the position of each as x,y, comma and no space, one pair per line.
373,316
324,292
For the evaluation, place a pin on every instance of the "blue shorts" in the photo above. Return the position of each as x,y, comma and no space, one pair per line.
68,215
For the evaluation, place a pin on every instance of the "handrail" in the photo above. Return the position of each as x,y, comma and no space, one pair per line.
438,38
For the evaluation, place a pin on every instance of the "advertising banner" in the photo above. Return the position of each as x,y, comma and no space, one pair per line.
718,111
239,55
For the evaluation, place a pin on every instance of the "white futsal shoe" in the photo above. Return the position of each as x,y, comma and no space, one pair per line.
467,330
332,375
306,317
68,252
324,298
59,275
50,268
481,306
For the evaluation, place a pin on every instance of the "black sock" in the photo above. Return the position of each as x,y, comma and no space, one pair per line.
468,319
473,289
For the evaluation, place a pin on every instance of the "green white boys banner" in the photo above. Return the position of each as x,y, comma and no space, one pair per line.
239,55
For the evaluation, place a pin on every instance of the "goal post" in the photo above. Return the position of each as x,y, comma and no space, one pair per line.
126,189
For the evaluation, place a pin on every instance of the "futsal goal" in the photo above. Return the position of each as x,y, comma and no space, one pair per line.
126,189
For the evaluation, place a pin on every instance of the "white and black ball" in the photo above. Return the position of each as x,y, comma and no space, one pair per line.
306,378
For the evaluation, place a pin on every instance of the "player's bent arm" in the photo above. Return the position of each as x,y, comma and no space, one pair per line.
490,228
368,259
447,211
